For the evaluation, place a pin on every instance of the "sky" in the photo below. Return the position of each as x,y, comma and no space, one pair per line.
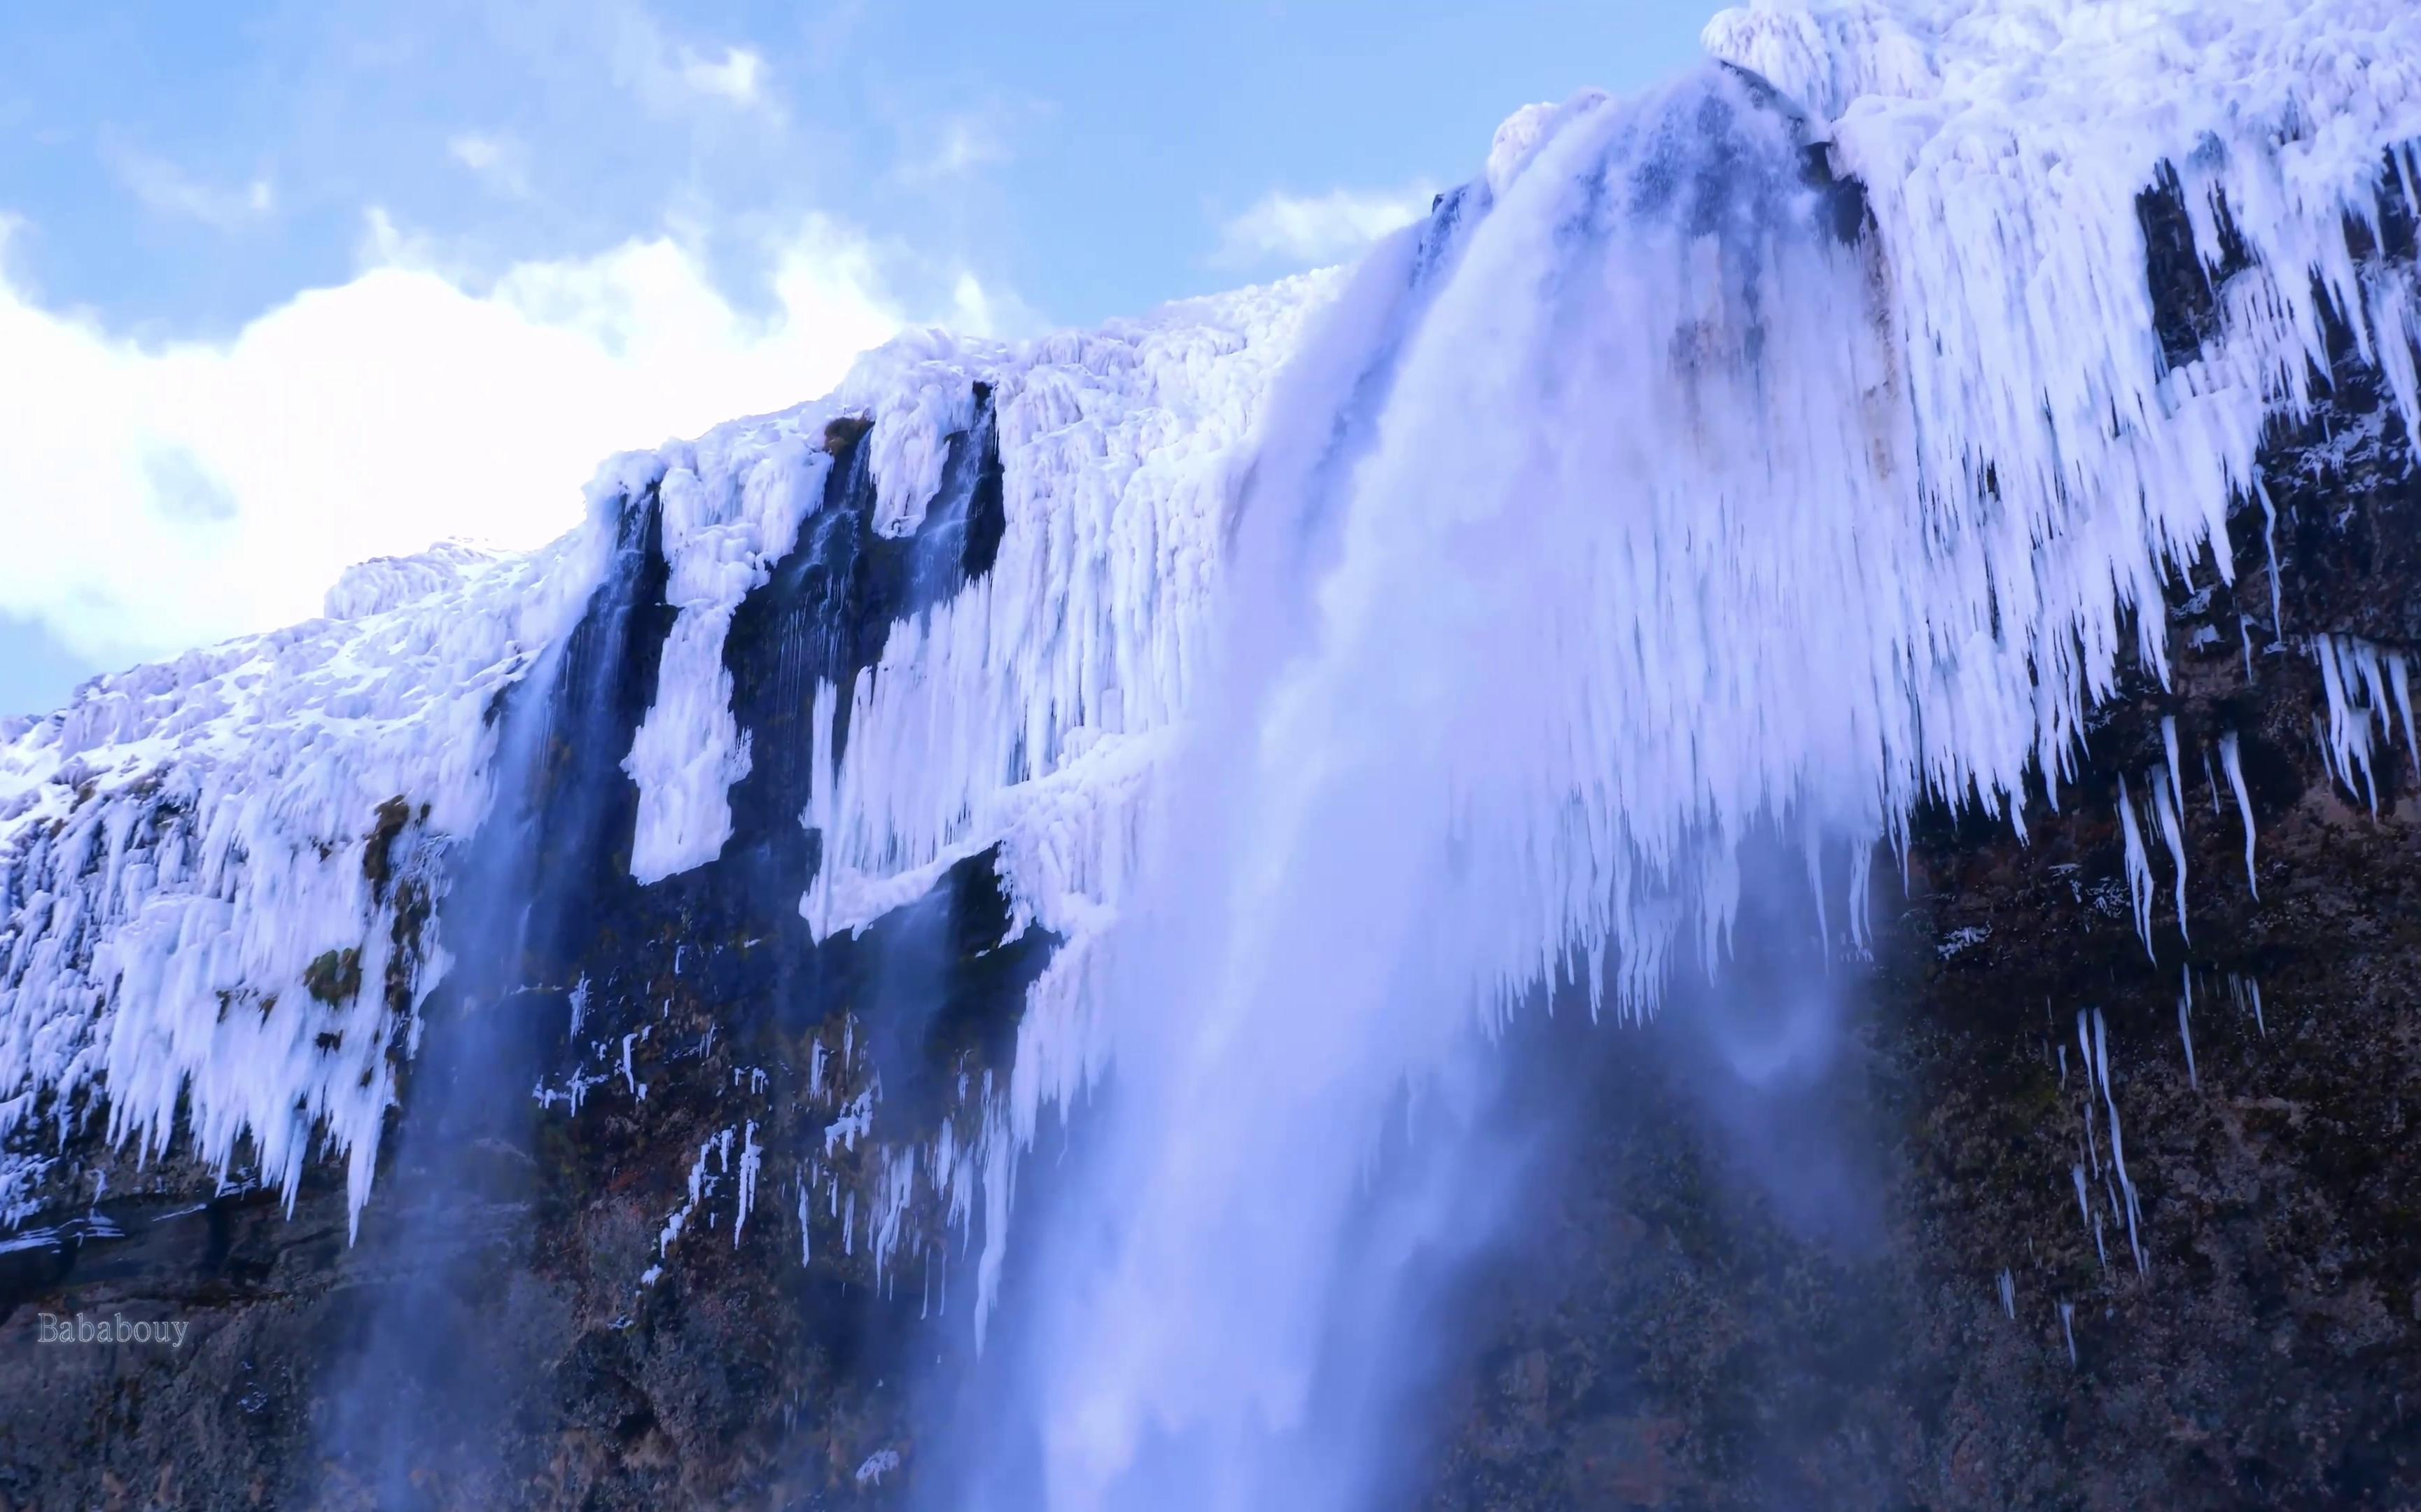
288,284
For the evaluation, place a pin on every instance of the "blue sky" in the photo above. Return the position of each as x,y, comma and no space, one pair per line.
290,283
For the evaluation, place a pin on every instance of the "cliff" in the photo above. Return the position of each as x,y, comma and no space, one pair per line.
565,1033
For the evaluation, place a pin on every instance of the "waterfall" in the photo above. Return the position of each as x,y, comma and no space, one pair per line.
1531,620
429,1367
1658,499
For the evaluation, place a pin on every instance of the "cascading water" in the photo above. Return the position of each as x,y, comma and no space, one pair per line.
413,1418
1544,528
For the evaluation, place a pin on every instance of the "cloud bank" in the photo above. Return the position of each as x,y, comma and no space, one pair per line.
156,497
1313,230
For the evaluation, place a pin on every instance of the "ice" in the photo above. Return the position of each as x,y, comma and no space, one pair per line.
2359,680
878,1464
752,1155
2139,866
731,504
2100,1066
2171,813
2231,759
1622,513
2185,1027
217,874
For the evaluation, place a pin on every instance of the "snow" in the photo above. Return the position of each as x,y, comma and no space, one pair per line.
387,582
185,909
179,846
731,506
878,1464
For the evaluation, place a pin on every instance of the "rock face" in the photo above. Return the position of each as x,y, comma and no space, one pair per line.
583,1297
555,1301
1690,1333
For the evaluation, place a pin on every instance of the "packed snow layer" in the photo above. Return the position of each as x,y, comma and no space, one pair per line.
216,873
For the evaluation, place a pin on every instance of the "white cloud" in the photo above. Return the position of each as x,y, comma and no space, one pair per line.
1308,231
961,144
497,162
737,78
673,78
164,188
157,498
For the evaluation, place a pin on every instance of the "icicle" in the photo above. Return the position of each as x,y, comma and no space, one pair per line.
1862,862
2164,807
2092,1149
2118,1140
2231,758
751,1156
2185,1028
2399,680
2270,546
2177,782
2349,666
2085,1212
806,1248
2139,868
2009,1289
2068,1330
2209,780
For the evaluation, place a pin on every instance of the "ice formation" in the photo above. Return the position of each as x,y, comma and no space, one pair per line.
2231,758
1624,512
2358,680
216,873
1648,498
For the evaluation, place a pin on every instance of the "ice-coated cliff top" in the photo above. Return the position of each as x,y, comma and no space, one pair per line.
203,863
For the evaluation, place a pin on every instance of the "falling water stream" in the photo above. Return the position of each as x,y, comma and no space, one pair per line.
420,1393
1479,649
